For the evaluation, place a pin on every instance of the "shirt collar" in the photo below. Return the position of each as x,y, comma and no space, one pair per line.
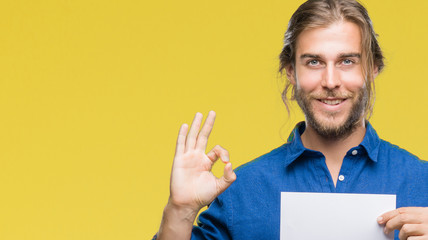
370,143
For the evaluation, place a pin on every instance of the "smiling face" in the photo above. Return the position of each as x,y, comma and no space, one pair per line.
328,78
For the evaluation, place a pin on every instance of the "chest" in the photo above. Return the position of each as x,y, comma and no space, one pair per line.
256,211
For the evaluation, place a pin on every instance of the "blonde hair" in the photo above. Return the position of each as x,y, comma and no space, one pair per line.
323,13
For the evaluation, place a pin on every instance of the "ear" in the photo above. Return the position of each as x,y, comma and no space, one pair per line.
291,74
375,71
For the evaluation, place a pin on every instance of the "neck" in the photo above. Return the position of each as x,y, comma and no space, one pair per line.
333,149
312,140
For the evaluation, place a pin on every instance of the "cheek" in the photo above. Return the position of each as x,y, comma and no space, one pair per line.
308,80
353,80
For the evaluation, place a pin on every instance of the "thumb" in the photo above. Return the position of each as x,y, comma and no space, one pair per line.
227,179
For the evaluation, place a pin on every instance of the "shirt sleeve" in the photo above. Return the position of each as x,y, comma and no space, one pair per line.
214,223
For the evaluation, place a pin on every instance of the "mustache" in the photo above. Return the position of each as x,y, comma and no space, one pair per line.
332,94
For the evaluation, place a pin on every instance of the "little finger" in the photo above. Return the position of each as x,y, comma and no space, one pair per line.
181,140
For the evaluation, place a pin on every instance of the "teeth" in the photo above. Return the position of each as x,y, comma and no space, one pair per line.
331,102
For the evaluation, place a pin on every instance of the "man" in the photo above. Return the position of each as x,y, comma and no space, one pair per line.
331,58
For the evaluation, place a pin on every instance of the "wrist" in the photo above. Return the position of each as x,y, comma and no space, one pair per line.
180,212
177,222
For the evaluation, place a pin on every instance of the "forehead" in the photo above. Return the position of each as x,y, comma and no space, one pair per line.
337,38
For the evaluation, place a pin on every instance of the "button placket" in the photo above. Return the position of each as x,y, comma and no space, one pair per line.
345,171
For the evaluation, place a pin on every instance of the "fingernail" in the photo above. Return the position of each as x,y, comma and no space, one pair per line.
379,219
385,231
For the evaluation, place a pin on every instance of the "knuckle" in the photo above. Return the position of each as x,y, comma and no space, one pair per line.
405,229
388,225
386,217
203,133
201,139
221,150
229,179
225,152
402,210
404,217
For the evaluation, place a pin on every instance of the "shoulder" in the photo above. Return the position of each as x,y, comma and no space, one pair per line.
272,158
400,158
257,179
263,170
407,172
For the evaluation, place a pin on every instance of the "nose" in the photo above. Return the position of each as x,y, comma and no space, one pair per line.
331,77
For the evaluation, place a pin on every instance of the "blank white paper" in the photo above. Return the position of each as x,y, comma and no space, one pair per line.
334,216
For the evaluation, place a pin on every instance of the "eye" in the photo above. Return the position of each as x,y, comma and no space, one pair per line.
347,62
313,62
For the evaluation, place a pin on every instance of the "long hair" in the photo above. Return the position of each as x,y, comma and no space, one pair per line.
323,13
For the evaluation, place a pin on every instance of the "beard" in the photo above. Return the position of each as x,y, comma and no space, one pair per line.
329,130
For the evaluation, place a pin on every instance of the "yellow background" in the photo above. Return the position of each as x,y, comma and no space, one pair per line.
92,94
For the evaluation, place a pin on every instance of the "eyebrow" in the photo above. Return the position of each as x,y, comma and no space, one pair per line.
307,55
346,55
343,55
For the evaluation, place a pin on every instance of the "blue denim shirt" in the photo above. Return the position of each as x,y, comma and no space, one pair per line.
250,207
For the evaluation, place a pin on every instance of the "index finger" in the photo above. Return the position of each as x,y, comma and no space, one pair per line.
399,211
387,216
397,218
205,132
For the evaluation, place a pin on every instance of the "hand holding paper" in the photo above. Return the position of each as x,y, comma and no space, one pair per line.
410,221
333,216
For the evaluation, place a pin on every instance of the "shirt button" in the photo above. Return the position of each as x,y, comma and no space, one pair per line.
355,152
341,177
